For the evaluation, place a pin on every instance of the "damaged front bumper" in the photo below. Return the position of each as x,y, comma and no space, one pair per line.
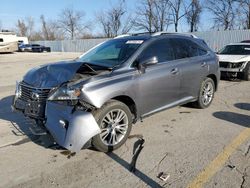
231,69
71,129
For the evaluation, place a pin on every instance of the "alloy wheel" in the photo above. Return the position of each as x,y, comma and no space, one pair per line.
114,127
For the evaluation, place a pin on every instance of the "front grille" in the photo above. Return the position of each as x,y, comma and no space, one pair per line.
224,64
230,65
29,93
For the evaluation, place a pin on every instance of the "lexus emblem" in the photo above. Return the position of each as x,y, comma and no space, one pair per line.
34,96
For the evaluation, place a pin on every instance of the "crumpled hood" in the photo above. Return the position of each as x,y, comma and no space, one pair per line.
234,58
51,75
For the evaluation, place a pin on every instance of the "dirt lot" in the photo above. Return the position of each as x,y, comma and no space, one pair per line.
209,148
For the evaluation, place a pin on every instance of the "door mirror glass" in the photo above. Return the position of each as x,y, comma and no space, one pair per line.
150,61
141,65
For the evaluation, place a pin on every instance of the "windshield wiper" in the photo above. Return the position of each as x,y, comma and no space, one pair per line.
87,65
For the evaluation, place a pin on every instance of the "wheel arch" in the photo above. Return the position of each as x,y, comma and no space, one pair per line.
214,78
129,102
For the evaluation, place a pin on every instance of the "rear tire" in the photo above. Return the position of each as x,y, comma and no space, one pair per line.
246,73
206,94
115,121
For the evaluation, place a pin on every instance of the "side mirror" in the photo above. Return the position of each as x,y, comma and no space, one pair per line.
151,61
143,64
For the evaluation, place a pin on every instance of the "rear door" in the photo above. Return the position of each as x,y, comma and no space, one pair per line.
193,65
160,84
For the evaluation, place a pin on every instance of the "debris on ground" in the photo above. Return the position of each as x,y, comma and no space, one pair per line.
163,176
138,146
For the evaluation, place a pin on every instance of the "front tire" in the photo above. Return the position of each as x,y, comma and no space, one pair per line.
115,122
206,94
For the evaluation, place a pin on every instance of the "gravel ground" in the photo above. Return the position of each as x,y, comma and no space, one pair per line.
211,146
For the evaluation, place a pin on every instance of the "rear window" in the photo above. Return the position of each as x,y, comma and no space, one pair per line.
1,39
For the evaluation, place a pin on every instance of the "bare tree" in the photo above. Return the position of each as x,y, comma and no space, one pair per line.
244,13
145,15
71,22
25,27
128,24
114,21
49,29
30,26
153,15
105,24
223,13
178,11
193,15
162,16
22,29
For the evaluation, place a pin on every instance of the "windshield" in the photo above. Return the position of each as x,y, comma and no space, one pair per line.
235,50
111,53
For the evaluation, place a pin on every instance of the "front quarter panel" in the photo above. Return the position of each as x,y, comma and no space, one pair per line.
120,83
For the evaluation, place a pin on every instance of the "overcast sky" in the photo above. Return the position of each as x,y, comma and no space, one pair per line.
12,10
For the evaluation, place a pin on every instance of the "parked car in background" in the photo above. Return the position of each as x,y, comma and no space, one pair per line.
33,48
245,41
234,61
24,48
95,99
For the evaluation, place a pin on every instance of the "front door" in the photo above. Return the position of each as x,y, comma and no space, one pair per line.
159,86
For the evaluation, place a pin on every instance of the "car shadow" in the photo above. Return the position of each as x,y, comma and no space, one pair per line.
139,174
239,119
243,106
19,124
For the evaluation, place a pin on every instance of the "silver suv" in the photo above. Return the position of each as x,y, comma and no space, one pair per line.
96,98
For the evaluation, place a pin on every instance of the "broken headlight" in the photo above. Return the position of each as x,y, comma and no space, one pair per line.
65,93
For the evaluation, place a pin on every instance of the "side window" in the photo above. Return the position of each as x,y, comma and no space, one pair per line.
1,39
194,49
161,49
181,48
202,52
185,48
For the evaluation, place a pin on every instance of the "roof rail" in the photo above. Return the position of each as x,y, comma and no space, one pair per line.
156,34
144,33
172,33
121,36
133,34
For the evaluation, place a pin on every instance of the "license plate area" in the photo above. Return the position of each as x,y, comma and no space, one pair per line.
34,109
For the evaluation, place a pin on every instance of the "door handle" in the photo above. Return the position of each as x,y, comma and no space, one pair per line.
174,71
203,64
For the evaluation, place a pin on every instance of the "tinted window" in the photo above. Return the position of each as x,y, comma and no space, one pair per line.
161,49
235,50
1,39
185,48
